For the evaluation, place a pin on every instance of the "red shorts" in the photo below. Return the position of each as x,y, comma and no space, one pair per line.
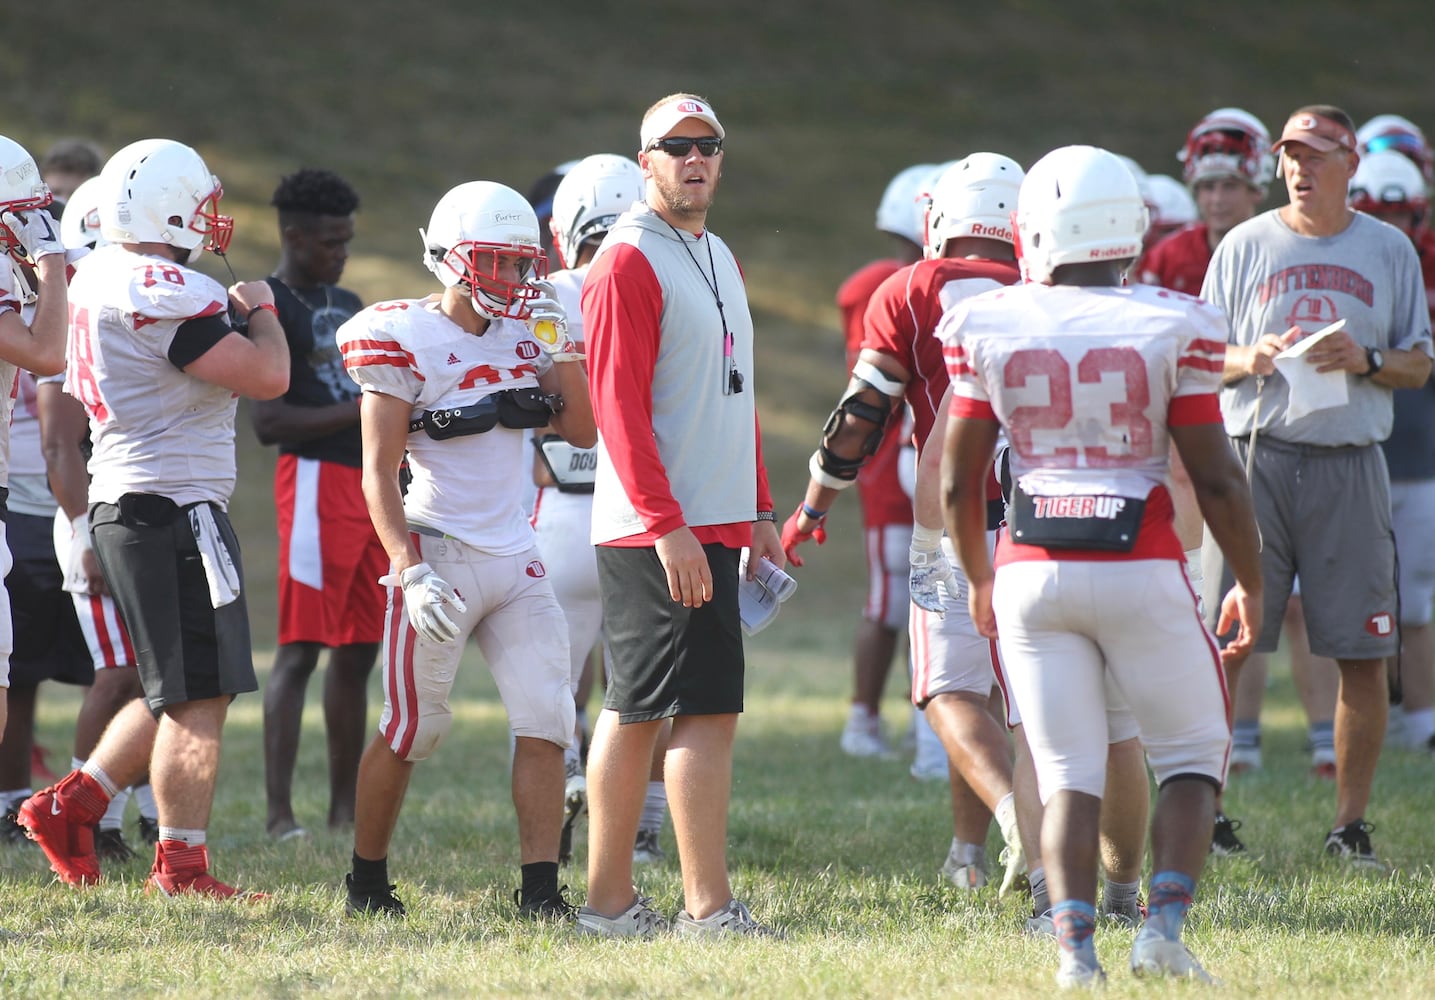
330,558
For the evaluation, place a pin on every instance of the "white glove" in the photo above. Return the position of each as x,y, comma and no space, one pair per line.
931,580
36,230
425,594
548,322
77,581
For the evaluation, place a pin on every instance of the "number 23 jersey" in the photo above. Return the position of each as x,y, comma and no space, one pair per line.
468,487
1086,381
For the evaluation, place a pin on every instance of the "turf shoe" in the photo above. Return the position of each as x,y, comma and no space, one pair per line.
1351,843
639,920
1041,925
575,803
110,846
647,850
1155,955
968,877
734,918
61,820
11,832
552,907
1074,974
378,900
181,869
1224,841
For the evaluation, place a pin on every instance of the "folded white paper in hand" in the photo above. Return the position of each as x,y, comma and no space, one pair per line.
1311,390
219,569
759,598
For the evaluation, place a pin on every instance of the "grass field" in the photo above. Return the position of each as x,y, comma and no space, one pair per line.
823,102
842,854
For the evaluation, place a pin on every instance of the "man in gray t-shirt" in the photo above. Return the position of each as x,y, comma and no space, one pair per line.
1319,481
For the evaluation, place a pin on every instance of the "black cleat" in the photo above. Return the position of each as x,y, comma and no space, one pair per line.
380,901
553,907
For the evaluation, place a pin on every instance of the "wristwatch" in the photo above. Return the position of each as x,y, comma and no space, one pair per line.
1375,358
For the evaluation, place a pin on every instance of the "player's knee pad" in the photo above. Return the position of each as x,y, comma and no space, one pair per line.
429,730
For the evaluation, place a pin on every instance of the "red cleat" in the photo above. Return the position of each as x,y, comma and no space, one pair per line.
180,869
60,820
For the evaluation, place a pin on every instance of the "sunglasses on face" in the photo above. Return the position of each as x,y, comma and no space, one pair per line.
677,145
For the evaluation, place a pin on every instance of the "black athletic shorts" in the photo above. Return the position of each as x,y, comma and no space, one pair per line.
666,659
186,649
49,644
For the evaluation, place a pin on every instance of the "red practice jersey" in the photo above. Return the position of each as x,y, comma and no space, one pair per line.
1179,261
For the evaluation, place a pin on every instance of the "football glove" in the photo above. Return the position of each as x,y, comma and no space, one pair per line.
425,594
548,322
793,536
39,234
932,581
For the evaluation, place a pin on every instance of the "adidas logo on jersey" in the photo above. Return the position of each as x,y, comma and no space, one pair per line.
453,359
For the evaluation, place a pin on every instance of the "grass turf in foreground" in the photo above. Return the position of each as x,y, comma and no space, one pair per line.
842,854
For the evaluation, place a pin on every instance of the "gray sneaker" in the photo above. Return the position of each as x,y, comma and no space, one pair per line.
733,918
964,876
647,850
1041,925
1074,974
1154,955
639,920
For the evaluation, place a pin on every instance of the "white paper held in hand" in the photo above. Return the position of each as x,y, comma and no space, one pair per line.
758,599
1311,390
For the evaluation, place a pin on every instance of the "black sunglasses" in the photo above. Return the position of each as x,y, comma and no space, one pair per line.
678,145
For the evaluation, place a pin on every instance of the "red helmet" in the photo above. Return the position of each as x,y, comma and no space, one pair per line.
1228,142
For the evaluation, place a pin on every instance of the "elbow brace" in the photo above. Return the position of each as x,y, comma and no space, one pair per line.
836,471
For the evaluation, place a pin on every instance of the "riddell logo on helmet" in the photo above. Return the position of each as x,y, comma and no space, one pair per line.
1110,252
996,232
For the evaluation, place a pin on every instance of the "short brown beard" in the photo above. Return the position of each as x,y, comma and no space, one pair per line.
679,202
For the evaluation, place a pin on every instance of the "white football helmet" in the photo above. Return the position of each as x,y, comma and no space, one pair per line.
1172,207
80,222
160,191
1078,204
1402,135
901,211
589,199
973,197
21,189
1229,142
1388,181
472,227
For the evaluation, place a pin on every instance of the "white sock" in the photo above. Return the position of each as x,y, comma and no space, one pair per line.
76,763
1419,727
144,798
655,807
190,838
114,817
101,778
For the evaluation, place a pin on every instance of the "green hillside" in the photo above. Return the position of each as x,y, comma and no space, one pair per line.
823,103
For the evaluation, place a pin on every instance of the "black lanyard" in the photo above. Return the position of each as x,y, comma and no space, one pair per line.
732,382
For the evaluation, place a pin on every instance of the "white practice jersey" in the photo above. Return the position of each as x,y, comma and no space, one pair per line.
11,297
1085,380
469,487
154,428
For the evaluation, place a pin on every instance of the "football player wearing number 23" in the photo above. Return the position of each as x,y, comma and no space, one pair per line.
1093,384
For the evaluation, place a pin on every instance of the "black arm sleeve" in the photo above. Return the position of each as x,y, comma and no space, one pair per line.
196,336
